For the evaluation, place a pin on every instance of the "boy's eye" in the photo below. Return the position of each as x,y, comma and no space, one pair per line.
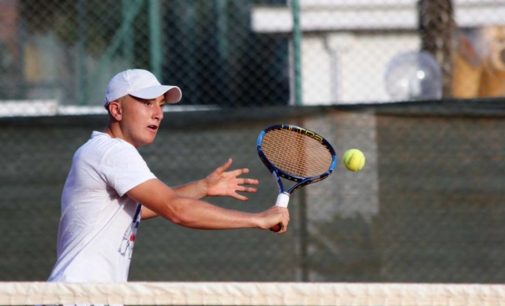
148,102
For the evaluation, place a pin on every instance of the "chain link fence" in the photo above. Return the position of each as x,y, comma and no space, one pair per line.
428,207
252,52
68,50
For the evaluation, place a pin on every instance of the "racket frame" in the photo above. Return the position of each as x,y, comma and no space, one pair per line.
300,181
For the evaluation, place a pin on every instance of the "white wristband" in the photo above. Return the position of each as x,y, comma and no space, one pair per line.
282,200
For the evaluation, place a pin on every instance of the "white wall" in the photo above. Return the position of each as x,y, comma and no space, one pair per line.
347,44
349,68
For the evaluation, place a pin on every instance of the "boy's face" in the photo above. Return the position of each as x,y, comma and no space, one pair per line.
140,119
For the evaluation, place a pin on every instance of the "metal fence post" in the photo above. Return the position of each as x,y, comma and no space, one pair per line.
297,37
155,37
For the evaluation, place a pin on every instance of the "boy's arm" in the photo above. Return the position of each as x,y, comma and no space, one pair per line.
164,201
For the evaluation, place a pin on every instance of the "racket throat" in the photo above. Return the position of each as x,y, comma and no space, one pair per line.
282,199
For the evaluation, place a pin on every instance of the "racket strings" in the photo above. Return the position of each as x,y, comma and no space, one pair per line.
296,153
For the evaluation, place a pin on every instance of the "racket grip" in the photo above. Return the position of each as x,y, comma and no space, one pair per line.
282,199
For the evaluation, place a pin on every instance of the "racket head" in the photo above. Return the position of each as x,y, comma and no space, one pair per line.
296,154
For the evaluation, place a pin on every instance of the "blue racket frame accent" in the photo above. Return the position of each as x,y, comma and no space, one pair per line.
278,173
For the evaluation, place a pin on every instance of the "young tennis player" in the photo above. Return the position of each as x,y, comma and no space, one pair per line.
110,188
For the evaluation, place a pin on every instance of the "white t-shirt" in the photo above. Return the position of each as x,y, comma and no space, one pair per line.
98,221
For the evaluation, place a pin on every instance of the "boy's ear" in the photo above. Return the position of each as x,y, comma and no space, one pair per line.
115,110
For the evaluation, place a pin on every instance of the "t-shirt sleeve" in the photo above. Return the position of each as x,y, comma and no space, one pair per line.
124,168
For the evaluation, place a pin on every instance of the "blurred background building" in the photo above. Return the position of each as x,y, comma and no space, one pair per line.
347,45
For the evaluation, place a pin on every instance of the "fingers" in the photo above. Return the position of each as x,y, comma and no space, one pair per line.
279,228
282,227
239,197
247,181
281,220
222,182
247,189
225,166
244,184
243,189
239,172
285,220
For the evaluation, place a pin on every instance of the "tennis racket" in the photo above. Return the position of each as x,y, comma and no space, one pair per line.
296,154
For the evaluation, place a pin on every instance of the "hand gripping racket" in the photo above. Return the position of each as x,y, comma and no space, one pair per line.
296,154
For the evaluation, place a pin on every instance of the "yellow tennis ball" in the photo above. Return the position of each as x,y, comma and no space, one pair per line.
354,160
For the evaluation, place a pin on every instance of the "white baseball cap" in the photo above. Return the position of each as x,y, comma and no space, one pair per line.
142,84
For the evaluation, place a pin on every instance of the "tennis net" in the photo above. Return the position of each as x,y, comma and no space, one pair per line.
244,293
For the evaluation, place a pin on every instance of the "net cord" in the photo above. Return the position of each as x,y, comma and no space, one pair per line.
244,293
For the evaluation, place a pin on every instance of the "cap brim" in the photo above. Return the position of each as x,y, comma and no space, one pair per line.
173,94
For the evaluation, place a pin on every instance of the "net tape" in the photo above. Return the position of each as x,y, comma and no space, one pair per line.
244,293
